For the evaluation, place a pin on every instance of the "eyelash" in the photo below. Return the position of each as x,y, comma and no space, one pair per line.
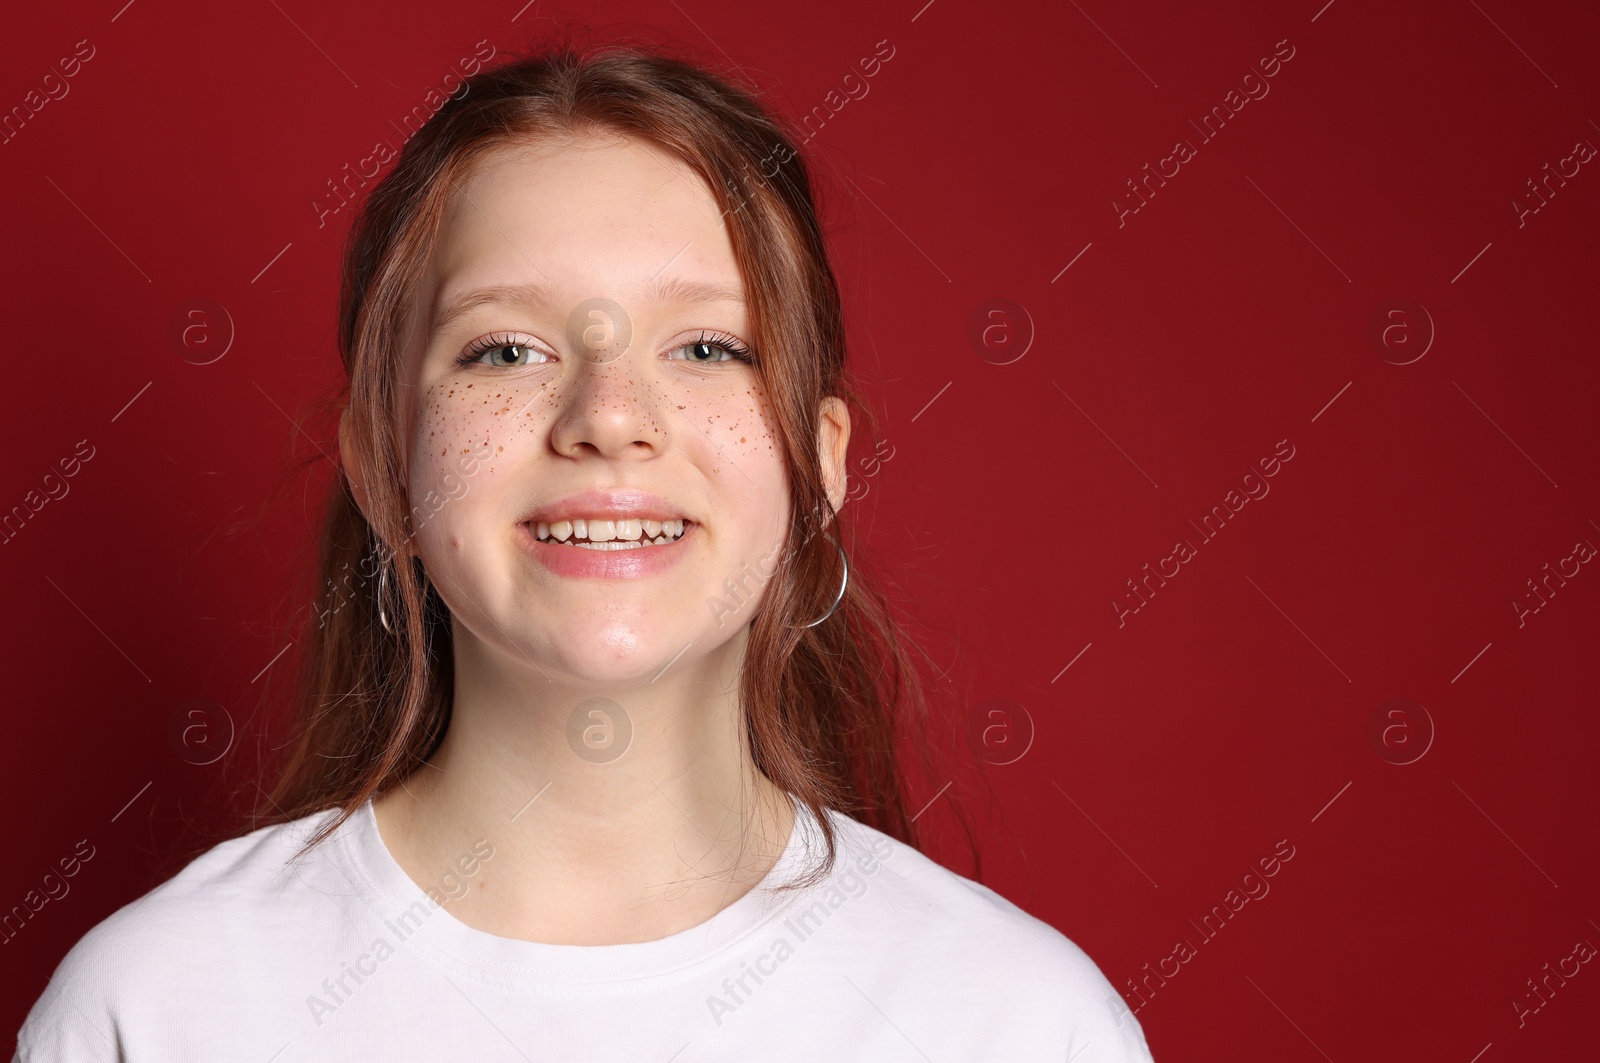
479,348
738,352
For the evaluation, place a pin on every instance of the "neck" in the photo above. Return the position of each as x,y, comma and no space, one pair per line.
590,846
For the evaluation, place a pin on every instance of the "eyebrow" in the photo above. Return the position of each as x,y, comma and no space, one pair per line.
673,290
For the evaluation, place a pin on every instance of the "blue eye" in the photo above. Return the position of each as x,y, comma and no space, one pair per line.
496,343
704,350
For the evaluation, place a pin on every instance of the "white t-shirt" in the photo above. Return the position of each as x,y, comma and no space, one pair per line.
341,956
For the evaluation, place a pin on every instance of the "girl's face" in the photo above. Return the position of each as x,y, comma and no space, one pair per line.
575,357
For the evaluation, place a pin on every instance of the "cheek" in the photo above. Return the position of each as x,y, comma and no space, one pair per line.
747,462
744,428
460,434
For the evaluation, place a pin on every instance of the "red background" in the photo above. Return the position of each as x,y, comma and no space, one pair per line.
1231,312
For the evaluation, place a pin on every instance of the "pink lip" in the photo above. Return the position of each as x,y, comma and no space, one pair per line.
612,505
580,562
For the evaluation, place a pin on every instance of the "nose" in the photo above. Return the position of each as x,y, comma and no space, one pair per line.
613,409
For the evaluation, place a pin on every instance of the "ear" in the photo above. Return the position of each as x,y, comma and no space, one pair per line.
833,442
348,459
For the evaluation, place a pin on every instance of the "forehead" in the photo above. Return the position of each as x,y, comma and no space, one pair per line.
582,216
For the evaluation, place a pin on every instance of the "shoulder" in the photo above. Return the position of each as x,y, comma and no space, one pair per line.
939,909
989,950
168,944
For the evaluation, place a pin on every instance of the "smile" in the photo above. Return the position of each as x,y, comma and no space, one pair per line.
572,549
599,534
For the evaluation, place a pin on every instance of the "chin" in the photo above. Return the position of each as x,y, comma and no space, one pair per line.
619,652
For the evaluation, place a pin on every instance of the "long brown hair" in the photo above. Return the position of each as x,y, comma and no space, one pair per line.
828,710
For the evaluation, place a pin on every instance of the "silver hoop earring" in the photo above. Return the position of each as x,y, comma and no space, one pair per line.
843,583
383,585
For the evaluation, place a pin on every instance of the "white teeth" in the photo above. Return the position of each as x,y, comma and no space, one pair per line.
598,534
